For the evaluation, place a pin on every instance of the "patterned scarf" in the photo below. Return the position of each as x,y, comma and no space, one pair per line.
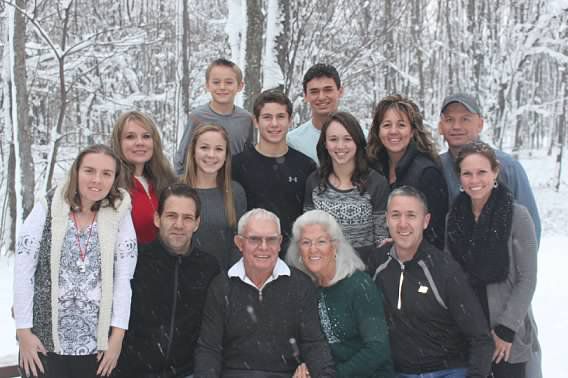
481,247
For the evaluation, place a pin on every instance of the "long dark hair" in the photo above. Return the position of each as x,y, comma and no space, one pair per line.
361,172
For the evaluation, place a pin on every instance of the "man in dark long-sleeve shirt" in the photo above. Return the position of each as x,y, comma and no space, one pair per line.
168,292
262,319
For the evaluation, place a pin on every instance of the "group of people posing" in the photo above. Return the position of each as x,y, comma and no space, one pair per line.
325,251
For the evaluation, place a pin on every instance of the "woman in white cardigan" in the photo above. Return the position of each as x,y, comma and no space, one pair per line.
75,257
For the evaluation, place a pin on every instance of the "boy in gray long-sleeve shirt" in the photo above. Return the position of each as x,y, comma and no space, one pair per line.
223,80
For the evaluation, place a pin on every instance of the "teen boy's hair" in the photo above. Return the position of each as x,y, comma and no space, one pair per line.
271,96
225,63
321,70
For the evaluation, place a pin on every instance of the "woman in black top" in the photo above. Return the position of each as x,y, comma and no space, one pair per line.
403,151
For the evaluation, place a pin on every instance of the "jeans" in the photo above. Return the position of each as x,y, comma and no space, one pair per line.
448,373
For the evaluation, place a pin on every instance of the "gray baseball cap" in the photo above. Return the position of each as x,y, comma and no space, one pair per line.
466,100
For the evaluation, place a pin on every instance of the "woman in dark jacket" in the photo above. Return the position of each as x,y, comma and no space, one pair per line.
494,240
403,151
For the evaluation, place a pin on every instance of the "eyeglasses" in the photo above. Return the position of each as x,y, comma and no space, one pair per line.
320,243
255,241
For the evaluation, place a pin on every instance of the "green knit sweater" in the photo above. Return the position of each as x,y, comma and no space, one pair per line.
353,320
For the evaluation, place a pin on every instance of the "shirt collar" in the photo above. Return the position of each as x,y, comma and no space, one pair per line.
238,270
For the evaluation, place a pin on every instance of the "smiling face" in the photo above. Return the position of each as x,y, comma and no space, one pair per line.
273,123
340,144
459,126
407,220
136,144
477,178
259,245
395,132
210,153
177,223
317,251
223,84
96,174
323,95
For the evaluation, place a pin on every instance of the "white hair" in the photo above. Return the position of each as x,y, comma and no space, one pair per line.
258,214
347,260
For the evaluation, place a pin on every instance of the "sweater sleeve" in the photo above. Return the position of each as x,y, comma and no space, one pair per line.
524,246
27,252
209,352
433,186
314,350
367,303
468,314
124,264
179,158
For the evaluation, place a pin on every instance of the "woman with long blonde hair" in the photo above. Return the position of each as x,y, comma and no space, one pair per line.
208,170
146,170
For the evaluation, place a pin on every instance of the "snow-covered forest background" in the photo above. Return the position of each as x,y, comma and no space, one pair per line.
69,67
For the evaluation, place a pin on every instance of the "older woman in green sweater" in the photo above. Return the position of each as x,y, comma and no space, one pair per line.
350,306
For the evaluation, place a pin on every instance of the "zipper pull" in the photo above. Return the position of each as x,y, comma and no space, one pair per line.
400,281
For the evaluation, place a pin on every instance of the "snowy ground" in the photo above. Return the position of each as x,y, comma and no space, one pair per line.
550,303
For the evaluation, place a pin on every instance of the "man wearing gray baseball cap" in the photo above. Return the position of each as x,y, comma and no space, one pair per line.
461,122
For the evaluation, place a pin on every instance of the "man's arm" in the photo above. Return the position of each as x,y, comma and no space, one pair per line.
515,177
311,183
209,352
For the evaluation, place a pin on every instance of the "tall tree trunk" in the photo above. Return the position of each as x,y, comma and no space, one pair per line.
272,74
184,104
56,136
255,21
21,176
283,43
417,36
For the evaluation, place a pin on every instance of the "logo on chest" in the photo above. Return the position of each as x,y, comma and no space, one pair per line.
292,179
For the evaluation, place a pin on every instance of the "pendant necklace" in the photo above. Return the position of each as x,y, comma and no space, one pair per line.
82,260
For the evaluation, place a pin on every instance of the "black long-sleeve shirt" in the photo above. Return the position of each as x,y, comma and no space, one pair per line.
419,171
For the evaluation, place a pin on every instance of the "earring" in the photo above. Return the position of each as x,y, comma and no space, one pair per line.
495,184
461,188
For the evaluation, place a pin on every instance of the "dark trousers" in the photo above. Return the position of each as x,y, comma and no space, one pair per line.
507,370
58,366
